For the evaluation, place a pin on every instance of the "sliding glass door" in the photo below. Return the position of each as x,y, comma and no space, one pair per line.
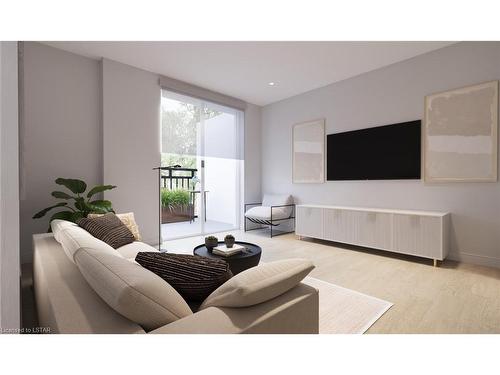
201,150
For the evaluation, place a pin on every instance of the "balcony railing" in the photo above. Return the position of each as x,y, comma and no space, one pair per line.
172,180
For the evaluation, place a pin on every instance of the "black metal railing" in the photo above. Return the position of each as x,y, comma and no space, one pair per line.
171,179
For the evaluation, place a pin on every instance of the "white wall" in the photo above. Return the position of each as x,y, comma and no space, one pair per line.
9,190
99,122
61,134
385,96
252,151
131,142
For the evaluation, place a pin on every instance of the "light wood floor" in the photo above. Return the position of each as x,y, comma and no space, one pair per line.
452,298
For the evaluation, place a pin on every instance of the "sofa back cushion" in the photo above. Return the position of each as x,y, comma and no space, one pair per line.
131,290
259,284
72,237
130,250
57,226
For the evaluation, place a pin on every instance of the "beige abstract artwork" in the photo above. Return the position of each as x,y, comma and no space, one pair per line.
308,152
460,134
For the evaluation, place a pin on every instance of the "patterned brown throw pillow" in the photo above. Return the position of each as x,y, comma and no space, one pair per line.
194,277
108,228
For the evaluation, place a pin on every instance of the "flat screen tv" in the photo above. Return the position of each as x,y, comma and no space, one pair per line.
390,152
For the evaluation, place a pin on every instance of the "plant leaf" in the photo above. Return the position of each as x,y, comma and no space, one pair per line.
45,210
76,186
61,195
62,215
101,206
99,189
76,216
81,205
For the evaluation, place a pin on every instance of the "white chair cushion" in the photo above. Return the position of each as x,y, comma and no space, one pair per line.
72,238
264,213
131,290
259,284
130,250
276,199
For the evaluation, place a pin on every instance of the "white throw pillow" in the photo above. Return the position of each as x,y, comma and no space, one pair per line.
72,238
131,290
276,199
259,284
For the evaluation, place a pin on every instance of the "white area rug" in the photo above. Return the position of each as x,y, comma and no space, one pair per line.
343,310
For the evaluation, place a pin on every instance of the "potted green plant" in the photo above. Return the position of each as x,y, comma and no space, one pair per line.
84,204
211,242
229,241
175,206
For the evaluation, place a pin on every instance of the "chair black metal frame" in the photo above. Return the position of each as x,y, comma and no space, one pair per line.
271,222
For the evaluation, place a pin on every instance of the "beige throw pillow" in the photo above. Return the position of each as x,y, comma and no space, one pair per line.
131,290
259,284
129,220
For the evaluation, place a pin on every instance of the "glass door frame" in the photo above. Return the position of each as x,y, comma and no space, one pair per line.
201,104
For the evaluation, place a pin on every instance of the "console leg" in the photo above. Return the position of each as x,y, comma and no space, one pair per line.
435,263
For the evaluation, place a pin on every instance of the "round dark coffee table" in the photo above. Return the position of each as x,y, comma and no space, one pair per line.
242,261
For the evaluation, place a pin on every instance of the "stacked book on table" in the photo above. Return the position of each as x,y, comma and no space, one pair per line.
225,251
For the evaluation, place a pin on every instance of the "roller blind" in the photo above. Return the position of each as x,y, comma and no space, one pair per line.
184,88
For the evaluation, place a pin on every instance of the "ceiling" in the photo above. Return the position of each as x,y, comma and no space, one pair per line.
244,69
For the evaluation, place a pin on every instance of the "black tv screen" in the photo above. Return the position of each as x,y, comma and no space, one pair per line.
390,152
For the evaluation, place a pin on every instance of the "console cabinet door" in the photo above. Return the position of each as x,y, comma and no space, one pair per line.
418,235
374,229
340,225
309,222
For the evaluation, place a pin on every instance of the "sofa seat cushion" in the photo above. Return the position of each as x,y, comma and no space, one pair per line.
72,237
130,289
130,250
194,277
259,284
109,229
264,213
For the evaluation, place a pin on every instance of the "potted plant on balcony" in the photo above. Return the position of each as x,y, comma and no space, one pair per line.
175,206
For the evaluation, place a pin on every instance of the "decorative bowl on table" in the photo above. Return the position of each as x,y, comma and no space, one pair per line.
211,242
229,241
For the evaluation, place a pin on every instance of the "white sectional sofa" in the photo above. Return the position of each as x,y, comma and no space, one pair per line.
86,286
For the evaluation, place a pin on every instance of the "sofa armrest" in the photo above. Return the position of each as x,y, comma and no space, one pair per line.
296,311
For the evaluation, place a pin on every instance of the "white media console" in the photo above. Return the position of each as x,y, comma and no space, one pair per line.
420,233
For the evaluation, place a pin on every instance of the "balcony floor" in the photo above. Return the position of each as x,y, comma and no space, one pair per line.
185,228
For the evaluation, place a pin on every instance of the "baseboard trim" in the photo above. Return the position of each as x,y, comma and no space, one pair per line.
481,260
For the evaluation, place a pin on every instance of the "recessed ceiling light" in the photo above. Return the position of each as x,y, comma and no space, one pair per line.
271,83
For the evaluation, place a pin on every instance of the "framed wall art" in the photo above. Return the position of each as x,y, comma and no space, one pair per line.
308,152
460,134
